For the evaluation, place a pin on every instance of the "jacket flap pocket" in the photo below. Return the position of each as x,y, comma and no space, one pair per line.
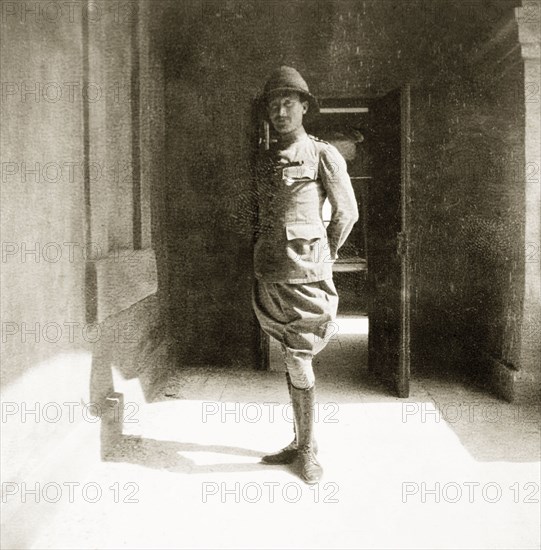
307,231
299,173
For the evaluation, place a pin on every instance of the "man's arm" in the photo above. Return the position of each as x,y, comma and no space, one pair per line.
335,178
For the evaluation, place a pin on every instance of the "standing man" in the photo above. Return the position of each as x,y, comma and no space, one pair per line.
294,296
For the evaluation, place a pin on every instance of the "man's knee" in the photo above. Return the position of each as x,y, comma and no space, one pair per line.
302,380
301,372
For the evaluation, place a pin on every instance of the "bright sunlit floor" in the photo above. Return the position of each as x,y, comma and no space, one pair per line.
398,473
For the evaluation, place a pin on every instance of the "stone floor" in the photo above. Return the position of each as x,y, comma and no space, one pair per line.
449,467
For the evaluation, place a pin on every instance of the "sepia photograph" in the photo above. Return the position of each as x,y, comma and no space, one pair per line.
271,274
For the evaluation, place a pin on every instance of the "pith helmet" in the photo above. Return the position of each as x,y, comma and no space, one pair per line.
288,79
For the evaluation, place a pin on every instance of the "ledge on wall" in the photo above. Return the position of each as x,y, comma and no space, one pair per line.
123,279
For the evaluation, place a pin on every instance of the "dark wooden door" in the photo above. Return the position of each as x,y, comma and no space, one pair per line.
388,258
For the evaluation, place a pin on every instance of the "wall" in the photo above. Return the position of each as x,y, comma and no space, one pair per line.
468,202
467,152
127,203
96,128
41,372
42,130
470,251
218,56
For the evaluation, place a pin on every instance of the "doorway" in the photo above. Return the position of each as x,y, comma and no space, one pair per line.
372,271
345,124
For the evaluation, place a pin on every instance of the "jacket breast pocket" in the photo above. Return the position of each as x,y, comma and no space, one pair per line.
305,241
292,175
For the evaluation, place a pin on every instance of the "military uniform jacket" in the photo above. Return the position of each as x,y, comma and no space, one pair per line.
292,244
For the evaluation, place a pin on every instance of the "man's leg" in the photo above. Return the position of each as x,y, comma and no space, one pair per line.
305,337
288,454
303,398
302,335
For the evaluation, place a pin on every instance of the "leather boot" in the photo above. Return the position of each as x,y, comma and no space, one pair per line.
288,454
303,404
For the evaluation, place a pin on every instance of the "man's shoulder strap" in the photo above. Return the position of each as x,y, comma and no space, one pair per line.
318,139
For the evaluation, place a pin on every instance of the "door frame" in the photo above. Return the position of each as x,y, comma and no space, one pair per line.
404,372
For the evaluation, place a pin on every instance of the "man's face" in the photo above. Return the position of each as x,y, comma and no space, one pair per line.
286,112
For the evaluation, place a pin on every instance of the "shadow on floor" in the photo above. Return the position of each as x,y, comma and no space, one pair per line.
490,428
487,427
167,455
